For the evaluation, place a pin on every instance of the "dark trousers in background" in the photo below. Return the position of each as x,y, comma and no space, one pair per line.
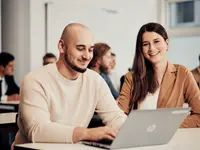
6,139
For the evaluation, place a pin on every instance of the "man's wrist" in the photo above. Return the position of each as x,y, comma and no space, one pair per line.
80,134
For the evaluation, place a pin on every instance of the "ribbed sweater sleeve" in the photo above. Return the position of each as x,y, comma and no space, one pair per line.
35,116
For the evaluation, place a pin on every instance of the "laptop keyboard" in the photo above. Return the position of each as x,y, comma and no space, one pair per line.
105,141
102,143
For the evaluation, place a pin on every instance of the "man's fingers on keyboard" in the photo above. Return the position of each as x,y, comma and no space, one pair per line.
112,133
108,137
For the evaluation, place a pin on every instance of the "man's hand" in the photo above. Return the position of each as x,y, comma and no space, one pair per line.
94,134
13,97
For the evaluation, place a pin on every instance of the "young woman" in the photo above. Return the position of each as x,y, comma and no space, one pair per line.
155,82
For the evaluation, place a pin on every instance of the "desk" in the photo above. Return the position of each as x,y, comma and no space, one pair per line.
8,129
9,106
184,139
7,120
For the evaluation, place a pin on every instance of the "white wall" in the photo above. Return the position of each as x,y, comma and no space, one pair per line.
37,33
118,30
184,51
24,29
24,32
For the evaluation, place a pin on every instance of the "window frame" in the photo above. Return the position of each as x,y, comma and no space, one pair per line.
165,18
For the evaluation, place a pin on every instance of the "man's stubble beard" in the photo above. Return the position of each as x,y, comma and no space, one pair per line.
72,66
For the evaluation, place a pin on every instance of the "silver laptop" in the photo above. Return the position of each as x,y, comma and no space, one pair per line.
145,128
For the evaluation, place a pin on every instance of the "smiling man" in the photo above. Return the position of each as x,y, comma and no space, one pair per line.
58,100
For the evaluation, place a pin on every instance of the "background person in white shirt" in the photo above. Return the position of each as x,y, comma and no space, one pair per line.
59,99
8,88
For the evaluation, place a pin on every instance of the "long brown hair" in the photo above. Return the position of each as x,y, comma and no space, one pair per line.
144,77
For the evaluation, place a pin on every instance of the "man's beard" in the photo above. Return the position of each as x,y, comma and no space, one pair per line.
72,66
103,69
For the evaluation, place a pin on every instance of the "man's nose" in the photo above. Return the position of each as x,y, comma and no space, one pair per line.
86,55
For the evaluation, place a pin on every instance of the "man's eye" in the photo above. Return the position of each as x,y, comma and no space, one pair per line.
91,50
80,48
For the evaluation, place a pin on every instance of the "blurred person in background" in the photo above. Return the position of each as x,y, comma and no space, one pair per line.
122,79
8,88
112,73
101,63
49,58
196,73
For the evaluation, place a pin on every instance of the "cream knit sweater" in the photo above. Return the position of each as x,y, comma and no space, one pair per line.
52,106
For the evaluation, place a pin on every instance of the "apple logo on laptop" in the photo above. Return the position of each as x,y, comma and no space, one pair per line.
151,128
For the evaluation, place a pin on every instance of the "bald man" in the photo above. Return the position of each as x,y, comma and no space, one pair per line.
58,100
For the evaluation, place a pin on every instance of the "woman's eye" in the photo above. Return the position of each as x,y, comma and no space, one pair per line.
145,44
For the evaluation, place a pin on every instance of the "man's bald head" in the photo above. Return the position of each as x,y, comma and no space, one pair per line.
73,31
76,47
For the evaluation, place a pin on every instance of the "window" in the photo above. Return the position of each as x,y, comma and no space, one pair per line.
182,17
185,12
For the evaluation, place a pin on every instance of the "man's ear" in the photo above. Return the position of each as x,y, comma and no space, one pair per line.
1,68
61,46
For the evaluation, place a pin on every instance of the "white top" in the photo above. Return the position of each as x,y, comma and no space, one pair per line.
150,102
51,106
184,139
4,88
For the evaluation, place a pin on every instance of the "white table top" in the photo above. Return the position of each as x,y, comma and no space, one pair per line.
9,106
184,139
6,118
